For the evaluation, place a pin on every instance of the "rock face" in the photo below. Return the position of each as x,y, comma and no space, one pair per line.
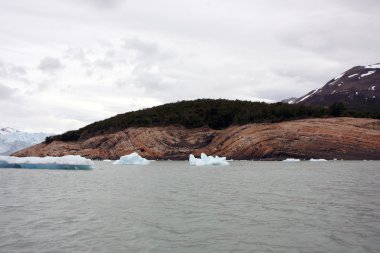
341,138
358,88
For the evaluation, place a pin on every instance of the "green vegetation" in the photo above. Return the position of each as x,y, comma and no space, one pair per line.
216,114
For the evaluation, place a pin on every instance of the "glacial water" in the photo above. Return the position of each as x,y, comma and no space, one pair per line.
172,207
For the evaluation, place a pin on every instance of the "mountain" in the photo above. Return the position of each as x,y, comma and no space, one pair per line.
357,89
12,140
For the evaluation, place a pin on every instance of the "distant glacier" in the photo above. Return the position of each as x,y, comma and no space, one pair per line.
12,140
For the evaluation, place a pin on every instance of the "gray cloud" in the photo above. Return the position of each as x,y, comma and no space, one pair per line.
125,55
103,4
6,92
9,70
50,65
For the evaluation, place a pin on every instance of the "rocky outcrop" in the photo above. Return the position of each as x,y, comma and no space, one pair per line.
341,138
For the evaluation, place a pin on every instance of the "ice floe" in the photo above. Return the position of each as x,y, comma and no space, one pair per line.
132,159
291,160
69,162
317,160
207,160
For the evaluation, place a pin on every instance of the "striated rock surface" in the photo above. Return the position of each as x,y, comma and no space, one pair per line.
341,138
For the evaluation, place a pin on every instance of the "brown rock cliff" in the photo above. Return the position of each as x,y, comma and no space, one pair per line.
341,138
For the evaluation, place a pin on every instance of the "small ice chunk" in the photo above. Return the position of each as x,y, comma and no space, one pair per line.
207,160
373,87
132,159
317,160
291,160
69,162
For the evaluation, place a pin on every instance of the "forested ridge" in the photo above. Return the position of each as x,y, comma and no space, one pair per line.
214,113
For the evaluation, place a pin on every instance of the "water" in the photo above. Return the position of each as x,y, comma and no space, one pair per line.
172,207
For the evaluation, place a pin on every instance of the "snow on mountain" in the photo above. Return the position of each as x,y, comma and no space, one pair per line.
356,88
12,140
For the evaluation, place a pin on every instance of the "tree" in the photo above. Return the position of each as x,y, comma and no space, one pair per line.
337,109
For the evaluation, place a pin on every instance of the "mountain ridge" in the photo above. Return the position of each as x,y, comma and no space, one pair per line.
357,89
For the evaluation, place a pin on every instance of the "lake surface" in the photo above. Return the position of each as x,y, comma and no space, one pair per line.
172,207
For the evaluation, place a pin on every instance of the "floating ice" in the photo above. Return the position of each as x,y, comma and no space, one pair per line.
132,159
291,160
207,160
69,162
317,160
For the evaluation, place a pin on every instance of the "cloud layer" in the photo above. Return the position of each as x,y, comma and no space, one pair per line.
65,64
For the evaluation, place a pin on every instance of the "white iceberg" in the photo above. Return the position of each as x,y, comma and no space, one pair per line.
69,162
207,160
132,159
291,160
317,160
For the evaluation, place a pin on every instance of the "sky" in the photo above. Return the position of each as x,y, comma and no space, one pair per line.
67,63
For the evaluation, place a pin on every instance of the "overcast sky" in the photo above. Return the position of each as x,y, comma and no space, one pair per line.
68,63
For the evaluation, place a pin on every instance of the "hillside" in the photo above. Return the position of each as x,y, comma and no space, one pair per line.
357,89
329,138
215,114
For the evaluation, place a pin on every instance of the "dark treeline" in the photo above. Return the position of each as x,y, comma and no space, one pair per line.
216,114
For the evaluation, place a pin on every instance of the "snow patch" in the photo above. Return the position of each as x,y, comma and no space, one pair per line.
307,96
336,78
340,84
352,75
373,87
368,73
207,160
69,162
132,159
373,66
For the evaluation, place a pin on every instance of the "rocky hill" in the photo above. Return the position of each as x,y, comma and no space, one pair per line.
329,138
358,89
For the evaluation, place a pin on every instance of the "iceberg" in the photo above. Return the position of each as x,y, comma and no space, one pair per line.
207,160
132,159
291,160
317,160
69,162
